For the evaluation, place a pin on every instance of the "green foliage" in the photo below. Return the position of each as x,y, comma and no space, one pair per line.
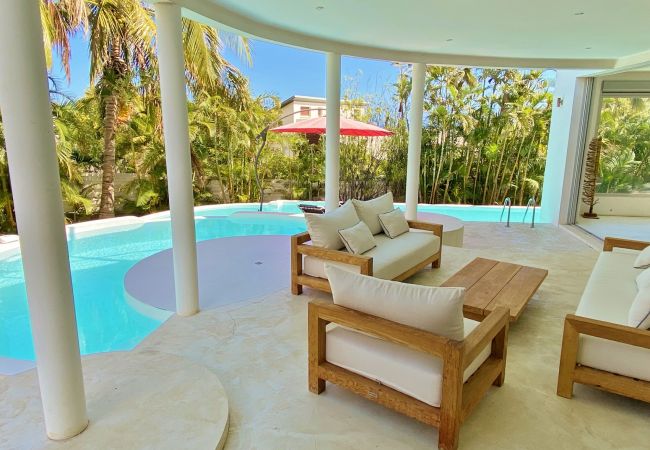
625,156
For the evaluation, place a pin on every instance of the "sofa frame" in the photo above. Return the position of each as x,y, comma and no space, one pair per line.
300,248
572,372
458,399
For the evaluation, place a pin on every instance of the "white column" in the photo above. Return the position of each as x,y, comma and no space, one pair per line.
33,166
415,140
332,131
177,150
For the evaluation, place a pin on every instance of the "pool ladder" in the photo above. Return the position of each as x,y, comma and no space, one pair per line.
508,203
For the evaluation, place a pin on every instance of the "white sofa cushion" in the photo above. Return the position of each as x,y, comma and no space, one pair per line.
368,210
358,239
611,288
643,280
639,314
615,357
394,223
324,228
608,296
435,309
391,257
412,373
643,260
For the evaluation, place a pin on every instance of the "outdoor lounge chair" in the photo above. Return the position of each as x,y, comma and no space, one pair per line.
424,375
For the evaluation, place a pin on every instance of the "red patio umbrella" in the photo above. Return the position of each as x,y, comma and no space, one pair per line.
316,125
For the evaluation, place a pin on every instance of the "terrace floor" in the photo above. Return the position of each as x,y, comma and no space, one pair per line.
258,349
637,228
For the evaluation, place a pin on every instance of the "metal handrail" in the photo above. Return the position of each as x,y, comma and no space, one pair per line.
531,202
506,202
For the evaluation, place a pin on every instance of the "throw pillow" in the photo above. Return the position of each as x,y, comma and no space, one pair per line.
435,309
643,280
643,260
324,228
358,239
394,223
369,210
639,314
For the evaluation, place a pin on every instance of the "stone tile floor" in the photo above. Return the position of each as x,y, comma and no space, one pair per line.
258,351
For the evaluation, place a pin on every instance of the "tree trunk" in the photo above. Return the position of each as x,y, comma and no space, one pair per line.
8,206
107,202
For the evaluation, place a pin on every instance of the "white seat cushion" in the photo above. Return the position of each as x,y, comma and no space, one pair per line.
412,373
609,294
391,257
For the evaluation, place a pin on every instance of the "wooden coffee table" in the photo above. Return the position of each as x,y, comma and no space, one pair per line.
491,283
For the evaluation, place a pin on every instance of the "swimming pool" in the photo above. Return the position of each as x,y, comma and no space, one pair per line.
466,213
101,253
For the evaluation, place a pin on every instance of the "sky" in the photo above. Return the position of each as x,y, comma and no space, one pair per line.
276,69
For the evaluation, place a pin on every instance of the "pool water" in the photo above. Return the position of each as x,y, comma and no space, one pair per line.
100,258
99,263
466,213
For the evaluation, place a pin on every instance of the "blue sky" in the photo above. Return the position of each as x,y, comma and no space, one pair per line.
276,69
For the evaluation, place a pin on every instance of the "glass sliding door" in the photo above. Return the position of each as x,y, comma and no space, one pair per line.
622,188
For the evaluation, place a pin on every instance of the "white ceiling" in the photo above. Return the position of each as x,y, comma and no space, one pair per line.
549,33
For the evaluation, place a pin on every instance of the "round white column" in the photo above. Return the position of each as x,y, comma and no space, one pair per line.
34,171
415,140
177,150
332,131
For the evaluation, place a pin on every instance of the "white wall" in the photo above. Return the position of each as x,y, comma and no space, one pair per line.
623,205
562,144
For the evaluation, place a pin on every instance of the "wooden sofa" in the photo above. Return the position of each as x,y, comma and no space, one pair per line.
300,248
457,397
598,347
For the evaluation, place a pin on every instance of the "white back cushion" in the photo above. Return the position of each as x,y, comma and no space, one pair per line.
639,314
369,210
324,228
643,260
435,309
358,239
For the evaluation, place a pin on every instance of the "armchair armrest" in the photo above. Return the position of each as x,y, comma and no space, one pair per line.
612,242
609,331
413,338
495,324
435,228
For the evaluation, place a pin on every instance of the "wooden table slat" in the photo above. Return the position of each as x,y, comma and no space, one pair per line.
521,287
492,283
483,292
471,273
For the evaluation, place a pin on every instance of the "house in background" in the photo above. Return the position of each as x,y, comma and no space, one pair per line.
304,107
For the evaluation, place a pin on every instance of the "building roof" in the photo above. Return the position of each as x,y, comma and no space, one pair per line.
302,98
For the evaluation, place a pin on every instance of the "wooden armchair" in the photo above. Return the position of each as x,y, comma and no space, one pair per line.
458,398
571,371
365,263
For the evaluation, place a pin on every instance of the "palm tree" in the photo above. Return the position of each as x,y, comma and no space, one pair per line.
60,20
122,39
121,35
